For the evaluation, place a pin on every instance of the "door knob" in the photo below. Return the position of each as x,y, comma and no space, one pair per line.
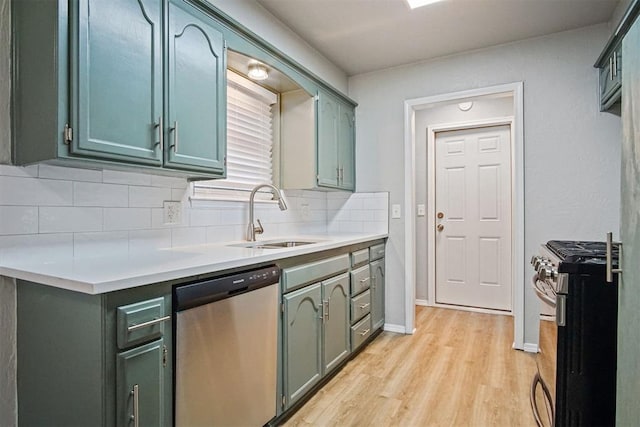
440,227
440,215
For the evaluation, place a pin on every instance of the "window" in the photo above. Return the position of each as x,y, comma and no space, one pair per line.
250,136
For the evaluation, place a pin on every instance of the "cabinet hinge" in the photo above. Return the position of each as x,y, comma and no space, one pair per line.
316,98
68,133
284,401
282,307
164,356
225,160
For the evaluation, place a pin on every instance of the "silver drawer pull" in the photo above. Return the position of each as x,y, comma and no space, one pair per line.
135,327
136,408
363,306
365,332
364,280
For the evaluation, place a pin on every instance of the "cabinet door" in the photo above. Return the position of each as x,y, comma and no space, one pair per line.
335,297
327,143
377,294
197,97
116,79
302,341
141,385
346,148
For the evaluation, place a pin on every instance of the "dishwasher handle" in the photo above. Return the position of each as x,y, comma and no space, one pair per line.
192,295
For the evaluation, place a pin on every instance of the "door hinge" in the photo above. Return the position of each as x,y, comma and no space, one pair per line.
68,133
164,356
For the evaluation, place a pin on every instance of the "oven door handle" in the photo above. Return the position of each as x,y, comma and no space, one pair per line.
535,282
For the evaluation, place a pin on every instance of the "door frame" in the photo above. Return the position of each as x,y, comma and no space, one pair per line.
431,206
411,106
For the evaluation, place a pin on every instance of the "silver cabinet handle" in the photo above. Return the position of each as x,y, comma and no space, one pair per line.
611,68
364,280
321,308
160,128
365,332
174,129
341,175
325,309
610,270
135,327
364,306
615,64
136,409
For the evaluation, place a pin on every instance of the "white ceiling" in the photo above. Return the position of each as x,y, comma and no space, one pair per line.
365,35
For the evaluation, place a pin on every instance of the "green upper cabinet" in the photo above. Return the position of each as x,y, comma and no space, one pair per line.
117,80
197,91
336,143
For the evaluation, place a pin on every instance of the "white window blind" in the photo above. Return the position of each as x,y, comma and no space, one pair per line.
249,140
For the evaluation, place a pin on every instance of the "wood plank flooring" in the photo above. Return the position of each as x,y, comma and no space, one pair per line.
458,369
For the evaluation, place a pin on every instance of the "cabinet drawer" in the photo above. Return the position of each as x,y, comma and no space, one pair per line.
360,280
360,306
141,322
376,252
295,277
359,257
360,332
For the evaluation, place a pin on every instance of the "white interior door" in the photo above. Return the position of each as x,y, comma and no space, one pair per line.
473,217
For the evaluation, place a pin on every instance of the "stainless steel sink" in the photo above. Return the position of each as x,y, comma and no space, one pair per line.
275,244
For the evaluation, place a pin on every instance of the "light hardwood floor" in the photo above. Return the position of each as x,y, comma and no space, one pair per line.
458,369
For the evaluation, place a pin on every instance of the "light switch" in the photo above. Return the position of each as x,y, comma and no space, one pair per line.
395,211
421,210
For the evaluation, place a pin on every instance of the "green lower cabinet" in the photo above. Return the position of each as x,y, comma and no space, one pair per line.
335,297
141,385
377,293
302,341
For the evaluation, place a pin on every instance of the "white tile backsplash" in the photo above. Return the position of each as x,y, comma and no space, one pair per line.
98,194
52,212
53,219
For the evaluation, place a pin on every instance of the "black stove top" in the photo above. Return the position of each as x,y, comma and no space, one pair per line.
582,252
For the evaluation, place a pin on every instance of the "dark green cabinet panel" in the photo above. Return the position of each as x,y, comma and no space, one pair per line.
141,386
302,341
117,80
377,293
197,91
335,143
335,297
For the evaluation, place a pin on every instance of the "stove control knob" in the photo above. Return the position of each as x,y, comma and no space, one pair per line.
547,272
534,259
540,262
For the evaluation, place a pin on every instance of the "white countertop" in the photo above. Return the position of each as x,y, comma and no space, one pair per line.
105,274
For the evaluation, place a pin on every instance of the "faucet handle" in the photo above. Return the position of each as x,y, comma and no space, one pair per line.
258,229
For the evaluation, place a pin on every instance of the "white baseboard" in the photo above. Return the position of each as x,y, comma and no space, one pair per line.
422,302
400,329
530,347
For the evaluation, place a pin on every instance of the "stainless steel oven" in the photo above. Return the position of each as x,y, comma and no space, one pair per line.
574,384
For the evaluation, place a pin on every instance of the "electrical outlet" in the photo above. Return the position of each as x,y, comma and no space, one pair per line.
172,212
305,211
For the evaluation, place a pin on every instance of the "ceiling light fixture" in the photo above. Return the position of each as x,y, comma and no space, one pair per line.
258,72
419,3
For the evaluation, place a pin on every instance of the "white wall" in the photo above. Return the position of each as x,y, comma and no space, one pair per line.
572,151
253,16
484,108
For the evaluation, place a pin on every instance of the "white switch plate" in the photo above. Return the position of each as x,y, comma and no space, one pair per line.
172,212
421,210
395,211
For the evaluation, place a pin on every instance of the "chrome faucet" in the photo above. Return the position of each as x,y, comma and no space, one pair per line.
252,230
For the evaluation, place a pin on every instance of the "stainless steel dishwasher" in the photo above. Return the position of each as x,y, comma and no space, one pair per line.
226,349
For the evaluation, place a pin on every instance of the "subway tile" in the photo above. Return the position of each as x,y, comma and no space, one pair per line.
148,197
181,194
188,236
89,245
143,241
233,217
39,248
18,220
30,171
204,217
336,204
129,178
337,195
361,215
220,234
126,219
69,174
168,181
381,215
53,219
35,192
98,194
